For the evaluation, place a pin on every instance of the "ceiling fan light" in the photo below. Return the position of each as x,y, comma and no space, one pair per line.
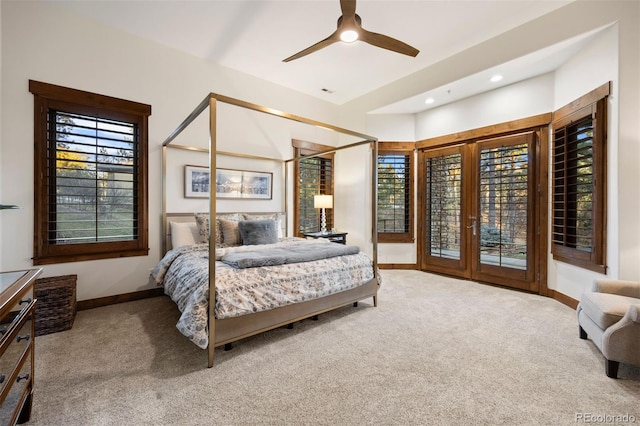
349,36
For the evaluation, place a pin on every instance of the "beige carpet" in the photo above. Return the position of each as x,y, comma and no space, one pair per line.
436,351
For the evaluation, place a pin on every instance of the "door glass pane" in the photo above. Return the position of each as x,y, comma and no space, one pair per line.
503,206
444,182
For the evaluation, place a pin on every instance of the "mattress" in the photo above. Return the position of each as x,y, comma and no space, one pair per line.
183,272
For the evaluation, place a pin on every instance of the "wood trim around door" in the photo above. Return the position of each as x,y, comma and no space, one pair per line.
539,126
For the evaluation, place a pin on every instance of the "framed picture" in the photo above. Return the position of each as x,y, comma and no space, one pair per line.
230,183
243,184
196,181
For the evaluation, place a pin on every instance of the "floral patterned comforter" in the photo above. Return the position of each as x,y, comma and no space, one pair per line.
184,274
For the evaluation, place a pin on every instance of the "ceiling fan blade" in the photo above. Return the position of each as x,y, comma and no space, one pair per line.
350,22
348,8
314,48
388,43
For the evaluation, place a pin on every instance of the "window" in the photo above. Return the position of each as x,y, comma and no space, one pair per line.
395,192
313,176
90,176
579,195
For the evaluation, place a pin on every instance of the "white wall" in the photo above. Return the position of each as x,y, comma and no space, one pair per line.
1,199
628,93
593,66
352,195
395,128
614,56
519,100
41,42
392,127
259,135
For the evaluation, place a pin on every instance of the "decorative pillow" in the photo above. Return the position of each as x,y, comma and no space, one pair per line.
183,234
230,232
277,217
202,220
202,223
230,216
255,232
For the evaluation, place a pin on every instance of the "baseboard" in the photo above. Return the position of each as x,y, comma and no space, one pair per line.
563,298
119,298
397,266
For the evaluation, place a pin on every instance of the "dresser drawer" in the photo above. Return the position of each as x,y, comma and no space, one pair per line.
17,310
17,334
14,348
20,390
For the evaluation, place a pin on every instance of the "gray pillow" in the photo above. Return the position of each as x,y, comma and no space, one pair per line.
254,232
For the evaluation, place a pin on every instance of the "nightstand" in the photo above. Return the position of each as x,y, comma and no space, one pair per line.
17,331
336,237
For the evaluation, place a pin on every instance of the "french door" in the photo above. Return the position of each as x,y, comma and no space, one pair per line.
479,211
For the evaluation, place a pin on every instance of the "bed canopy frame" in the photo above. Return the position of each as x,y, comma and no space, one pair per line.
210,103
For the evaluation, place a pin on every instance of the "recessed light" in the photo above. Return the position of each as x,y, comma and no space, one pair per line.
496,78
429,101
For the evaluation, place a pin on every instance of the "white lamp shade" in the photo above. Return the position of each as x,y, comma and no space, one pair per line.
323,201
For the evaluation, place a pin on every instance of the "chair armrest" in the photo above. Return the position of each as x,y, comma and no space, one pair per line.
633,313
621,341
620,287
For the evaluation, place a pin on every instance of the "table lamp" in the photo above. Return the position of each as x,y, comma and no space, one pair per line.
323,202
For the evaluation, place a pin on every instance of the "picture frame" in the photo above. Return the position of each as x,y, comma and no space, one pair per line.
243,184
196,181
230,183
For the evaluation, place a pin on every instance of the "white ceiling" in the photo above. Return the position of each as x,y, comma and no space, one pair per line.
255,36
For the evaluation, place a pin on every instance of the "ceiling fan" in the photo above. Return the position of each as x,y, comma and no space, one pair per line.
350,29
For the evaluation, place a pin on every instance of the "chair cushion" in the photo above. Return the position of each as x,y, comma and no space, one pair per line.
605,309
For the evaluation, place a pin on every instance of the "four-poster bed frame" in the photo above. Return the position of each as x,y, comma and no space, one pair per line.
224,331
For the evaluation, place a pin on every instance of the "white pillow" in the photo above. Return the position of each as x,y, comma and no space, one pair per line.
183,234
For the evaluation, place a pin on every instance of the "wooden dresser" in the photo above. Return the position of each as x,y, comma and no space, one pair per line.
17,331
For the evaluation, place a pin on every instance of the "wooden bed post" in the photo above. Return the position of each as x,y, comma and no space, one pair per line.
212,221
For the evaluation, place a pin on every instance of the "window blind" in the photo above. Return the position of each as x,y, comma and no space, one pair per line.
315,177
573,182
91,179
394,193
443,186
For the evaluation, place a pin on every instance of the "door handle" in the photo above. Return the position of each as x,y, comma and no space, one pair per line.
473,227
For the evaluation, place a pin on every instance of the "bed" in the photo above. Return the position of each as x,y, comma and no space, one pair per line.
205,318
251,299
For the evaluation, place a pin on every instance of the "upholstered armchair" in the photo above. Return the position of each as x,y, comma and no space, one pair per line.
609,314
